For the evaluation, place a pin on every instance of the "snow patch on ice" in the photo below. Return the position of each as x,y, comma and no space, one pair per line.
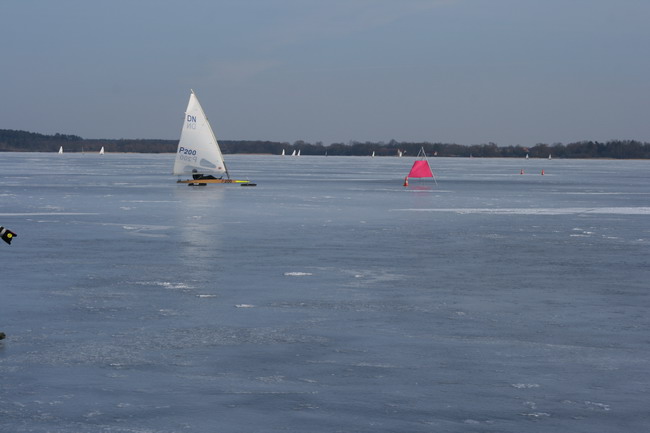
641,210
48,213
165,284
537,414
594,406
525,385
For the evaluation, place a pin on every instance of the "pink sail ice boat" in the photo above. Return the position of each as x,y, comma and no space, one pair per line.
421,168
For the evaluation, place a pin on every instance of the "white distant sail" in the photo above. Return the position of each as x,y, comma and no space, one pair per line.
101,151
293,153
61,149
298,154
282,152
373,154
198,150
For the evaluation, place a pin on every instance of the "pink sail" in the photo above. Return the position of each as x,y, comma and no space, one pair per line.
420,169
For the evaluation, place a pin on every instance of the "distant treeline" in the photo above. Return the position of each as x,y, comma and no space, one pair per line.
23,141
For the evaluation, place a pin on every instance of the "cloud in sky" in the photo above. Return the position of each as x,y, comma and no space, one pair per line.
466,71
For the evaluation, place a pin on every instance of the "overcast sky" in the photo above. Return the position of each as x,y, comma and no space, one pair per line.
462,71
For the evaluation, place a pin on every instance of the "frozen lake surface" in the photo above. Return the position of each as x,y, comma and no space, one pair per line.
329,298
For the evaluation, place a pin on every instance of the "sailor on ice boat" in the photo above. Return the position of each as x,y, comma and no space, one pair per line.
420,169
198,154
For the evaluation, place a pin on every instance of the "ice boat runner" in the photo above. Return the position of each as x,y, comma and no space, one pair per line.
198,153
420,169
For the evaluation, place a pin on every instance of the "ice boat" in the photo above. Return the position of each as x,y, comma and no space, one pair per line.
198,154
420,168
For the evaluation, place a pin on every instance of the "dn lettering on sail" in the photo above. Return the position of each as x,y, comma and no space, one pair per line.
190,122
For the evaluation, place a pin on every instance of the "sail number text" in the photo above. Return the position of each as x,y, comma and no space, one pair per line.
187,154
191,122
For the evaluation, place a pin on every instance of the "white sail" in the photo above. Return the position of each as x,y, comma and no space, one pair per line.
198,150
101,151
61,149
373,154
282,152
293,153
298,154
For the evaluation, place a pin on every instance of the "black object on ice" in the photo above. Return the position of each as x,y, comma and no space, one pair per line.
7,235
